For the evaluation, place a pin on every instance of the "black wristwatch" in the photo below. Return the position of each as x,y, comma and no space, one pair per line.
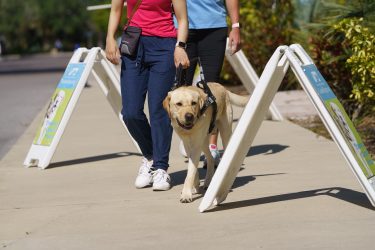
181,45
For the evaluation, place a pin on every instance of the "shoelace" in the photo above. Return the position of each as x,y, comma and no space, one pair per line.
145,168
159,175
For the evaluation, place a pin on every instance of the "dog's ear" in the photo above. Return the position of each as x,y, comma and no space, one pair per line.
166,104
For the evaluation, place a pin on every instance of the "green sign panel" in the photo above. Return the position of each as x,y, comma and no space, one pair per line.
341,119
58,104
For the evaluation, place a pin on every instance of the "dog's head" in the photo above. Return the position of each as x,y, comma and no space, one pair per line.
183,106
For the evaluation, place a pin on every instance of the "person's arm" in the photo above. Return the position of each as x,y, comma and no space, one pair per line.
180,56
234,35
111,49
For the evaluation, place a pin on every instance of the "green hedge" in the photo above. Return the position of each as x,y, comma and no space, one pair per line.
342,47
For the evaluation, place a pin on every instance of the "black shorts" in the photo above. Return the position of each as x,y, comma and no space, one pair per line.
209,45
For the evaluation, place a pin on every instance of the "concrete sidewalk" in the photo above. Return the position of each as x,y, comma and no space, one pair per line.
295,191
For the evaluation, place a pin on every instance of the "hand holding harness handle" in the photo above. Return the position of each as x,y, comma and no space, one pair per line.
180,80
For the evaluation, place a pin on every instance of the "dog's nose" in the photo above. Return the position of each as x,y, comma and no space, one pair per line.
189,117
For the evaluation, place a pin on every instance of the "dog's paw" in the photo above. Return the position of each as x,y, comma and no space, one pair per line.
186,197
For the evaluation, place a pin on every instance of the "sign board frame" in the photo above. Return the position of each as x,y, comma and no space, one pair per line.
252,117
65,99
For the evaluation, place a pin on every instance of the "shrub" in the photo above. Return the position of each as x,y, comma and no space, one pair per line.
329,52
361,60
344,52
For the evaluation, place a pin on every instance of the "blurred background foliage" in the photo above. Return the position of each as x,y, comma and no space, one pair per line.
31,26
338,35
340,38
35,25
265,25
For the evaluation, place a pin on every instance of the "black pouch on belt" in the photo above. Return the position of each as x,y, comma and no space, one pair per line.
130,40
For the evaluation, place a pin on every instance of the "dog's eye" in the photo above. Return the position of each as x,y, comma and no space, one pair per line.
179,104
193,103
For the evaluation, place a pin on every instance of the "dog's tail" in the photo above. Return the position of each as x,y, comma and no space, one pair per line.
238,100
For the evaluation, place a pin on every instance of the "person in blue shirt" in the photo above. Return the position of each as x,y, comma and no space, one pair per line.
208,33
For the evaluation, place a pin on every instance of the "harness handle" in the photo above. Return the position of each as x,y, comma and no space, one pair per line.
180,78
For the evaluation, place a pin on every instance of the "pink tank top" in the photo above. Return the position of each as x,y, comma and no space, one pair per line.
154,17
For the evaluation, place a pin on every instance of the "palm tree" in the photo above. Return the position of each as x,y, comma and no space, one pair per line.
336,10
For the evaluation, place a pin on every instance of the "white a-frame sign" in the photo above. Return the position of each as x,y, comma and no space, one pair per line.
83,63
65,98
329,108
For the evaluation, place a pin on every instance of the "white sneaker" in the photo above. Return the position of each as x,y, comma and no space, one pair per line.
144,177
161,180
215,154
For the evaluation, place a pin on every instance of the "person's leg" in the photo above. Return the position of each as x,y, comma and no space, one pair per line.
134,78
160,82
211,50
160,59
192,52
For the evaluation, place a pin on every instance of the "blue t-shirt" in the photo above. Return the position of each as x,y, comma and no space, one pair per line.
206,14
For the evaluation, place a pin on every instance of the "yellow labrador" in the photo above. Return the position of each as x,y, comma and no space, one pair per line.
184,106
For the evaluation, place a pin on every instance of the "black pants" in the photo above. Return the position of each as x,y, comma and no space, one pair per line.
209,46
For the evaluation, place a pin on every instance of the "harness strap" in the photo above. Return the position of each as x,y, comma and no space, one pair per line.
211,100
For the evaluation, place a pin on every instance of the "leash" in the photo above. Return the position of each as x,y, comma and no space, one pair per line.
180,80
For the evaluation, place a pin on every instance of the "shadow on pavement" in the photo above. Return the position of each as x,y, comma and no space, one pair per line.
348,195
91,159
178,178
266,149
243,180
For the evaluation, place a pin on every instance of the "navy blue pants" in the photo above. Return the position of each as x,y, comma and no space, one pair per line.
150,72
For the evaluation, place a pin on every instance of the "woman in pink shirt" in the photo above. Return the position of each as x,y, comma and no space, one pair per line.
151,71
